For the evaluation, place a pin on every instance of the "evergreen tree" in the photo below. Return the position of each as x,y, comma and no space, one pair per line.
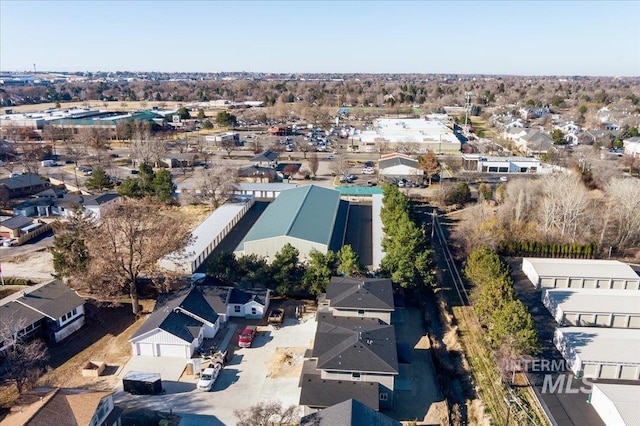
99,180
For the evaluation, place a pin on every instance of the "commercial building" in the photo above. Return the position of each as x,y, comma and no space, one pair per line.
207,236
580,273
600,353
411,135
309,217
594,307
399,165
484,164
263,190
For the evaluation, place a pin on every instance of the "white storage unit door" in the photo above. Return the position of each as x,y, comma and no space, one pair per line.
619,321
172,350
547,282
629,372
587,320
145,349
575,283
634,322
609,372
603,320
604,284
591,370
589,284
570,319
619,284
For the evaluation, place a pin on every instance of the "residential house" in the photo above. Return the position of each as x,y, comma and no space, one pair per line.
51,310
348,413
268,157
352,297
91,204
514,133
178,325
24,184
252,304
632,146
533,112
399,165
535,142
348,349
184,159
55,406
15,227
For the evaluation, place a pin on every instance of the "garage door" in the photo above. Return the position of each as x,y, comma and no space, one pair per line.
609,372
145,349
629,372
547,282
619,284
634,322
172,350
604,284
575,283
591,370
589,284
587,320
570,319
632,285
619,321
603,320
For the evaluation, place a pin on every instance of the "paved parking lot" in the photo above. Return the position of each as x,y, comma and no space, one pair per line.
242,383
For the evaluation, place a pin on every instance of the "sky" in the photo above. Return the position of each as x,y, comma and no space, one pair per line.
586,38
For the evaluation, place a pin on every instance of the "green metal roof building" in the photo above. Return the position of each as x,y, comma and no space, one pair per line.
308,217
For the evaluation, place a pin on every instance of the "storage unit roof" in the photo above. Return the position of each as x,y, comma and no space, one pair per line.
595,300
597,344
587,268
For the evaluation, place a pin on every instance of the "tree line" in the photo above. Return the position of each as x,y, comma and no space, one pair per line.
510,327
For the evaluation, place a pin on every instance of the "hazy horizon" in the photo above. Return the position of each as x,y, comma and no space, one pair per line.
543,38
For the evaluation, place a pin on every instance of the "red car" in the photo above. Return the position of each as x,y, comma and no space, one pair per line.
246,337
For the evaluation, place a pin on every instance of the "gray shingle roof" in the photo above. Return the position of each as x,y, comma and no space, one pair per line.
16,314
169,318
17,222
23,181
355,344
397,161
366,293
53,299
240,297
266,156
317,392
308,213
348,413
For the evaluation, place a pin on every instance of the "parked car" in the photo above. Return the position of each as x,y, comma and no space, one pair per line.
368,171
208,377
503,179
246,337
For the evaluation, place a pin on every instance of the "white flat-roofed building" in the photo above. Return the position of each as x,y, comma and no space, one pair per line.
484,164
208,235
593,307
580,273
600,353
263,190
418,134
616,404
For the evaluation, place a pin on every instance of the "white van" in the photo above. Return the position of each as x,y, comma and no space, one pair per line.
49,163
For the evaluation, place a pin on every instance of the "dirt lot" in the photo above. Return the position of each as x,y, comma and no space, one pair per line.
37,265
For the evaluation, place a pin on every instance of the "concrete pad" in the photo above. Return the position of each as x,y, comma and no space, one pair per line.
169,368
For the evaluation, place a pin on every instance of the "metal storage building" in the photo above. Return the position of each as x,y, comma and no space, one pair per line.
580,273
616,404
593,307
263,190
600,353
208,235
308,217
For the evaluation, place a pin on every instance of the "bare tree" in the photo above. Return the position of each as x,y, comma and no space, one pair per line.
229,146
25,357
145,148
429,164
314,164
267,414
624,200
130,239
76,152
219,182
340,165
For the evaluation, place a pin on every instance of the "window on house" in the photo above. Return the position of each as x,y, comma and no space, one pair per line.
360,311
384,397
355,376
236,308
75,311
253,311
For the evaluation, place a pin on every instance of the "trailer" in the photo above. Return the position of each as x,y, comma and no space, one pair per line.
140,383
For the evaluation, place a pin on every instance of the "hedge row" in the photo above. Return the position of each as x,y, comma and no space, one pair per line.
540,249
